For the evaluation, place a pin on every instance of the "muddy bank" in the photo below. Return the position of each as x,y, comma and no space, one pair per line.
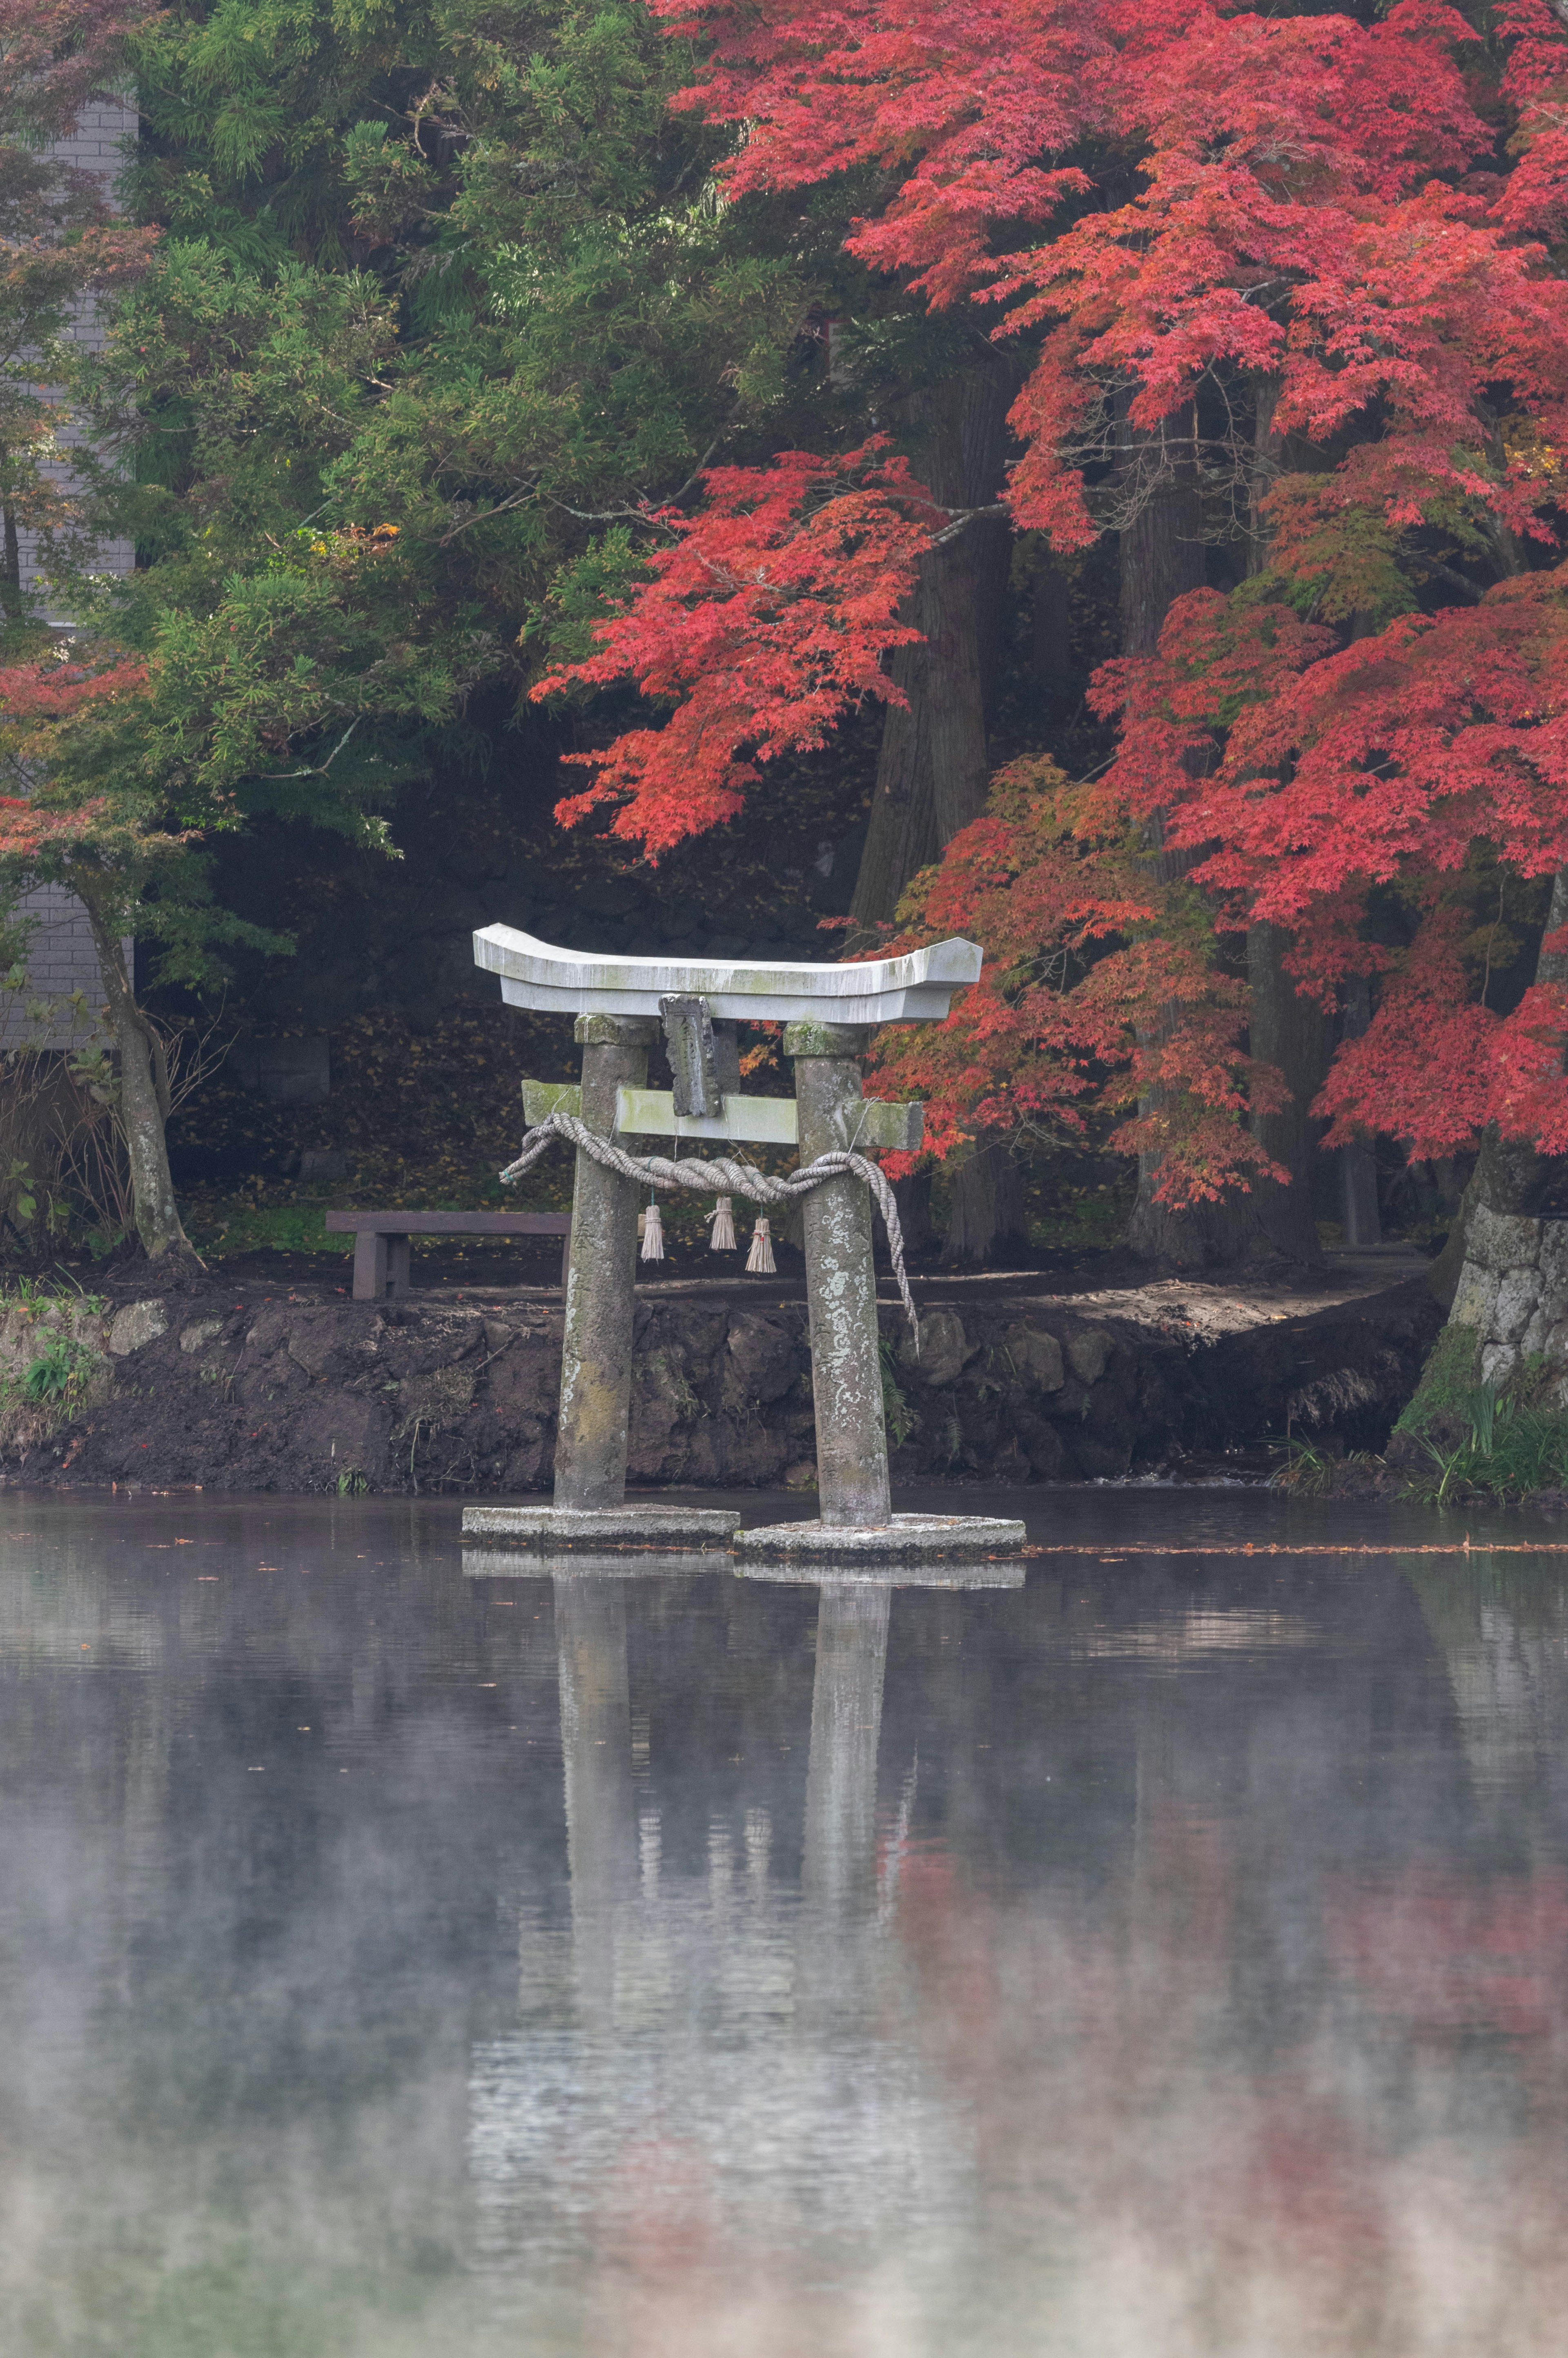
253,1389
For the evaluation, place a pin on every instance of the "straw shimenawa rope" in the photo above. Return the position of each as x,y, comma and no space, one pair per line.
722,1178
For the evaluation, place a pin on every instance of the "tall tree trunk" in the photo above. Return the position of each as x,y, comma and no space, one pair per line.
1358,1164
1290,1033
143,1101
1162,557
1161,543
10,566
912,1197
986,1216
932,774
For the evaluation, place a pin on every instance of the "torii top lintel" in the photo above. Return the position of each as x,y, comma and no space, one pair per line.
917,987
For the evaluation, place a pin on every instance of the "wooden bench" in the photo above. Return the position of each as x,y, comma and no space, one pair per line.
381,1240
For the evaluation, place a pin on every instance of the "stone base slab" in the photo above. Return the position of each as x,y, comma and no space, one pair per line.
545,1562
611,1527
908,1539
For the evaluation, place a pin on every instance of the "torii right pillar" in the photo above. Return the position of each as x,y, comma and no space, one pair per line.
855,1525
840,1283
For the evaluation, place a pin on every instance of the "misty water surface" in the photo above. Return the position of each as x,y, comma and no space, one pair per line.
1167,1955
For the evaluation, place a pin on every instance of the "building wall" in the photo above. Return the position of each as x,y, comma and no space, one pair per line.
61,959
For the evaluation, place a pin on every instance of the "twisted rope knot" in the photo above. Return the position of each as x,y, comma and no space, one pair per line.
722,1177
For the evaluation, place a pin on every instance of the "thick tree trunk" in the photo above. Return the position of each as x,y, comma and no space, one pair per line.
986,1221
1161,557
1358,1164
932,775
1291,1033
10,566
1161,537
1270,1220
912,1197
144,1104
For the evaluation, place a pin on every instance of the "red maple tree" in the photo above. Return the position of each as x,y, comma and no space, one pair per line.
1288,243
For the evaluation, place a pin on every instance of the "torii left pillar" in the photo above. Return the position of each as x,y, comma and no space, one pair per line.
601,1266
589,1509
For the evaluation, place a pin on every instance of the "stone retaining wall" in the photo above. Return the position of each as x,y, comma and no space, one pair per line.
312,1394
1513,1292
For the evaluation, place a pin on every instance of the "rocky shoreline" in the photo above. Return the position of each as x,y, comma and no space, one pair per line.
245,1387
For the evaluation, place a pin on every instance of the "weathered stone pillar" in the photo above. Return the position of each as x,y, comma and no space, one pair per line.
596,1358
840,1282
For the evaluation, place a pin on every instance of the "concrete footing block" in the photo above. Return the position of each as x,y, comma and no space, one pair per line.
907,1539
562,1528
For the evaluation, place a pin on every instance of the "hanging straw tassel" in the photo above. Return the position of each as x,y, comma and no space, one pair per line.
723,1219
759,1259
652,1229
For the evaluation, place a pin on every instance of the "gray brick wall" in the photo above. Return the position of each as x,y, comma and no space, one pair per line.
61,959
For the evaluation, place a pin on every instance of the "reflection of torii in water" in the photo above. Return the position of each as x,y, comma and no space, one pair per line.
831,1973
712,2074
839,1873
838,1869
596,1755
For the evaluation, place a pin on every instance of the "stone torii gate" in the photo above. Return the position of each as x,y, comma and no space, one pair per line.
829,1014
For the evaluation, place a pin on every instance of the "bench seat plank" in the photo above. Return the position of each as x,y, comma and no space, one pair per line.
381,1240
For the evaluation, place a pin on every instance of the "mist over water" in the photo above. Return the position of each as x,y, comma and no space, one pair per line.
1163,1957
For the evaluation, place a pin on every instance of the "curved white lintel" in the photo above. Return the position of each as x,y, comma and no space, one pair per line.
914,986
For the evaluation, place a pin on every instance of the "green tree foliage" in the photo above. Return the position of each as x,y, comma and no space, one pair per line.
444,301
443,304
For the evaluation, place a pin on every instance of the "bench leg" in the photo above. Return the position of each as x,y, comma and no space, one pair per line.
370,1265
397,1278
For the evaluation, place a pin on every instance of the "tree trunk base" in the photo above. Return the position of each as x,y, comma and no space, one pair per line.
986,1219
176,1269
1234,1235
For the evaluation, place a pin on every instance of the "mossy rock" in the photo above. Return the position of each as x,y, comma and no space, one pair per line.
1447,1386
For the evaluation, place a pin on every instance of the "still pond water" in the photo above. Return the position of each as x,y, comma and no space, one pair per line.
1164,1957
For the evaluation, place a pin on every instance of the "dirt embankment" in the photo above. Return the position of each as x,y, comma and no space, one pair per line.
248,1389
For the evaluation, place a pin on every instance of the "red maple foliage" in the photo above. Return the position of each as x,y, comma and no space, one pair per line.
1299,225
1099,991
1329,773
55,690
42,825
765,618
55,55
